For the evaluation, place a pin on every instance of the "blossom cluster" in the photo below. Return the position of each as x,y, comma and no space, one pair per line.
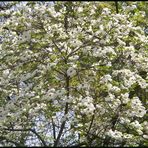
64,60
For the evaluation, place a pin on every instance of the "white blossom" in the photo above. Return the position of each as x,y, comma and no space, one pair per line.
71,71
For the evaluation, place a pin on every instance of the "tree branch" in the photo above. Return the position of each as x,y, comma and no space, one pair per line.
91,124
116,4
8,140
32,130
59,49
66,111
54,131
43,142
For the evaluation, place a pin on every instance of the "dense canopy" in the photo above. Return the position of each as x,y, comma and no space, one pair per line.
73,74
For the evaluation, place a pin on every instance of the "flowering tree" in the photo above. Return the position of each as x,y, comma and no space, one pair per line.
73,74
